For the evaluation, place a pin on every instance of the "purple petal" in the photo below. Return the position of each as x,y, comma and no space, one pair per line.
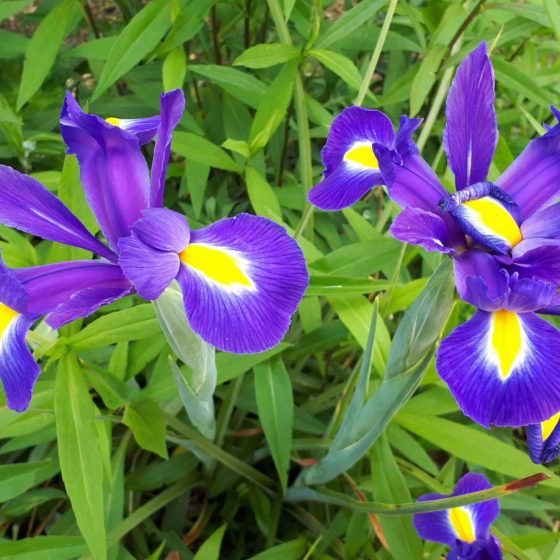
343,187
501,372
25,204
113,170
422,228
18,369
533,179
172,107
537,258
544,449
489,549
150,270
544,223
471,133
163,229
404,145
242,280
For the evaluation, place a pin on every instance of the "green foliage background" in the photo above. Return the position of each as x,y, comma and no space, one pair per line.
263,80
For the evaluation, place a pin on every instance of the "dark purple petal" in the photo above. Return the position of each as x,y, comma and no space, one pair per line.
163,229
172,108
471,361
25,204
471,133
533,179
544,449
537,258
404,145
489,549
242,280
422,228
435,525
12,292
18,369
113,170
150,270
343,187
545,223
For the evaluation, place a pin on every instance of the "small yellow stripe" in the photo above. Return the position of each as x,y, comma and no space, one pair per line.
462,523
363,155
547,427
114,121
496,218
7,315
506,339
216,264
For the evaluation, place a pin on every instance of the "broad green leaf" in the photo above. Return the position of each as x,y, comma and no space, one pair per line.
10,7
291,550
81,462
199,149
96,49
210,549
44,548
16,478
174,69
341,285
275,404
267,54
43,48
134,323
553,12
147,422
138,38
261,194
273,107
342,66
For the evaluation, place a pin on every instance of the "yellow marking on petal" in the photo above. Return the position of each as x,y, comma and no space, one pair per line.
462,523
547,427
7,315
216,264
114,121
495,217
363,155
506,339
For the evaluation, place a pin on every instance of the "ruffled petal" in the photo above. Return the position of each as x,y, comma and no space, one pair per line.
172,108
543,440
163,229
113,170
533,179
25,204
242,279
471,132
489,549
503,368
18,369
537,258
422,228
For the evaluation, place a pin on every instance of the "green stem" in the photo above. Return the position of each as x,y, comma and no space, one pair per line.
308,212
376,53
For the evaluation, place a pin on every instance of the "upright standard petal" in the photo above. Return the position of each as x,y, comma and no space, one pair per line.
242,280
113,170
533,179
543,224
351,168
543,440
25,204
172,108
471,132
503,368
468,524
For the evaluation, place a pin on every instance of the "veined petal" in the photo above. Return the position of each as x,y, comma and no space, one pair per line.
113,170
543,224
502,368
25,204
465,523
488,549
471,133
163,229
422,228
18,369
533,179
242,279
543,440
172,107
537,258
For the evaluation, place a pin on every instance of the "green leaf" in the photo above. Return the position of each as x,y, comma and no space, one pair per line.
43,48
273,107
210,549
261,194
342,66
341,285
44,548
16,478
147,422
275,404
174,69
553,12
11,7
291,550
134,323
81,461
201,150
266,55
138,38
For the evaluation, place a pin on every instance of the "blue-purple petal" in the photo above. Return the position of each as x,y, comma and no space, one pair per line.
543,450
163,229
543,224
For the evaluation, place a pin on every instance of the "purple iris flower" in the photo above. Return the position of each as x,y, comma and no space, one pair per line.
504,238
466,529
242,277
543,440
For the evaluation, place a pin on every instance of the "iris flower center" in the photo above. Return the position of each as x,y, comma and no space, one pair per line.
547,427
362,155
462,524
7,315
507,339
